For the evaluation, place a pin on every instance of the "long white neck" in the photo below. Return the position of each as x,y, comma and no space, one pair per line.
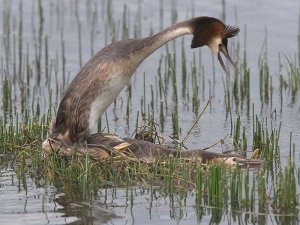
150,44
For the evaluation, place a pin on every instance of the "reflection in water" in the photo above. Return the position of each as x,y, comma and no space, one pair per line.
134,205
89,213
59,34
34,206
154,206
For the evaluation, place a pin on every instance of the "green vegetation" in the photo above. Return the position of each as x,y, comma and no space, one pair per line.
35,72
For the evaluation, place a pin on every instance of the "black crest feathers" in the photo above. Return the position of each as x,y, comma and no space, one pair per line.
231,31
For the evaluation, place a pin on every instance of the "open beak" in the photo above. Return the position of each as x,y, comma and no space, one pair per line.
224,50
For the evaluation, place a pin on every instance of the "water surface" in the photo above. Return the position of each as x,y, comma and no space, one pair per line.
275,21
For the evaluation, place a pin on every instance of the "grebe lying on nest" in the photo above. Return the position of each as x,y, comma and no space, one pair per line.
104,76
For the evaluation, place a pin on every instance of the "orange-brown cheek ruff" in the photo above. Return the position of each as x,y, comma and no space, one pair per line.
215,35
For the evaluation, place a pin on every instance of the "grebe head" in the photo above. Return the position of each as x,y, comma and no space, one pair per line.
213,33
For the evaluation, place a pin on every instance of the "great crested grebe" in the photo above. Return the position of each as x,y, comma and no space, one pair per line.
104,76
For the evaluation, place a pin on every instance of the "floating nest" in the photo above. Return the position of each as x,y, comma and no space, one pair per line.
101,147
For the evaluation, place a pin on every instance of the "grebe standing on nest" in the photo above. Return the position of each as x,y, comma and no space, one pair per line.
104,76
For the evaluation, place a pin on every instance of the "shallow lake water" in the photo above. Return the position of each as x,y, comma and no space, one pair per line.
272,20
33,206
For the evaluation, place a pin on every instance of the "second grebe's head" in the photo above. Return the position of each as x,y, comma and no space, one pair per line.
213,33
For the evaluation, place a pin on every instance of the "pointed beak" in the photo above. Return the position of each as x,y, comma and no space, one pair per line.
243,162
224,50
250,163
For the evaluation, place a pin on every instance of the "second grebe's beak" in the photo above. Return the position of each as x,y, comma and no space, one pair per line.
224,50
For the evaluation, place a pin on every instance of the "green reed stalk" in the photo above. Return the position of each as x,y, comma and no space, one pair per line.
195,98
14,59
261,192
298,37
127,111
237,132
7,5
125,29
138,21
183,68
93,28
215,186
107,123
20,38
78,22
63,63
144,96
199,186
174,14
285,190
152,98
161,14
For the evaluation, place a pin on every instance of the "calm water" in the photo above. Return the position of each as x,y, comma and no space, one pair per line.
33,206
278,20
